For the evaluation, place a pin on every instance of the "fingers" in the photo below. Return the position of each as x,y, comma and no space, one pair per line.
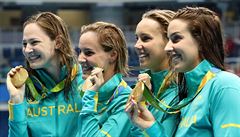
145,113
96,78
96,71
143,77
129,109
14,70
132,110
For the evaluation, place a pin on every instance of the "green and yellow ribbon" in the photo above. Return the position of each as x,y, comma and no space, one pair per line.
155,102
44,91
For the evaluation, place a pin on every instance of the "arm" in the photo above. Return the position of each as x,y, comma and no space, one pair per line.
136,132
17,120
225,112
143,118
17,114
91,123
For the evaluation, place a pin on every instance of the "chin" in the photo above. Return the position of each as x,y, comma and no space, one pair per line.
35,66
182,69
144,64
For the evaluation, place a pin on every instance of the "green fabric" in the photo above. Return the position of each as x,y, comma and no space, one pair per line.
214,112
113,122
167,120
51,116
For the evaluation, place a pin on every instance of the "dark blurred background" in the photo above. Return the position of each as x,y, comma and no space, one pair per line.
124,13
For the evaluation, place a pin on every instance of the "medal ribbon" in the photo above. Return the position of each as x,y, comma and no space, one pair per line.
154,101
44,90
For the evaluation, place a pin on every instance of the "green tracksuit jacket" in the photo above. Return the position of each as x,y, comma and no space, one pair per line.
168,95
51,116
214,112
103,111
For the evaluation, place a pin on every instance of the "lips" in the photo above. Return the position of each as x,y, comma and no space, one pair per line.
176,58
87,68
33,56
142,56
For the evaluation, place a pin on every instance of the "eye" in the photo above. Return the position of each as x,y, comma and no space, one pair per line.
88,52
145,38
136,37
24,43
175,38
35,42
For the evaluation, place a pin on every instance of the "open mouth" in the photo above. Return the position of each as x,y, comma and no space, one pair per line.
176,58
87,68
33,57
142,56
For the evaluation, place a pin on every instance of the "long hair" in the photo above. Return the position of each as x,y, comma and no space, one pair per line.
163,17
205,27
55,28
111,38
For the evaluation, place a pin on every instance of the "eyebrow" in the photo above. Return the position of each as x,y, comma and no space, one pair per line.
30,40
86,49
175,33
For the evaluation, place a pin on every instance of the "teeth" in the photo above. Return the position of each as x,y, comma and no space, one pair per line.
87,68
33,57
142,55
176,58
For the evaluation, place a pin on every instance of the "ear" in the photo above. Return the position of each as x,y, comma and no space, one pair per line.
113,56
58,42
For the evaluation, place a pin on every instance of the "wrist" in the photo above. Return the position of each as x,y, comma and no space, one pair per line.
16,99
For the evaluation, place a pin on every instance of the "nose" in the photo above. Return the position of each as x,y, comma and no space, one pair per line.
28,48
168,47
81,58
138,44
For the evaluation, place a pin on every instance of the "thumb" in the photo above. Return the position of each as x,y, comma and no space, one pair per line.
146,114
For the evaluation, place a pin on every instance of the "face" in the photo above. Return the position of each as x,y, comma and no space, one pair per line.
182,47
38,48
92,55
150,45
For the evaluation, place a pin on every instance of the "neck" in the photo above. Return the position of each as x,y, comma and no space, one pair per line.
54,71
162,66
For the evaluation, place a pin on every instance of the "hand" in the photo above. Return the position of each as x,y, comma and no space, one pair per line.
145,78
16,94
139,114
96,79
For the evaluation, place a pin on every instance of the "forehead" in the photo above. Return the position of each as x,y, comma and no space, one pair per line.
89,39
177,25
148,25
33,30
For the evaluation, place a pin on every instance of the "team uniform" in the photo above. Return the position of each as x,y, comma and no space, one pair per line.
214,110
103,111
167,97
52,114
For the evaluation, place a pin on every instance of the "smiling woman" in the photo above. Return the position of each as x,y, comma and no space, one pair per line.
151,39
208,94
48,104
103,58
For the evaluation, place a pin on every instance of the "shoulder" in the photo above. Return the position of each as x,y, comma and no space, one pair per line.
224,79
224,85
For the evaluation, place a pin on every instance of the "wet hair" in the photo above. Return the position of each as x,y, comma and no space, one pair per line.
163,17
56,29
111,38
205,27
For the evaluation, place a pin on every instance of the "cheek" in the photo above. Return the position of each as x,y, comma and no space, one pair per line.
95,61
23,51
